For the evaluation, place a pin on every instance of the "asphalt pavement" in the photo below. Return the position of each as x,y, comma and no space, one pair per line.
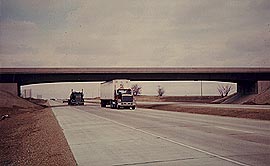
104,136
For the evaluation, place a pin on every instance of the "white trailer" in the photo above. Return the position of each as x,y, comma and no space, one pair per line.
117,94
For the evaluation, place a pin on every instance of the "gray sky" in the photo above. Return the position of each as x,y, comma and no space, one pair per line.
98,33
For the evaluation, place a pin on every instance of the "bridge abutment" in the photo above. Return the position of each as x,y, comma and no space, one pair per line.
263,86
247,87
13,88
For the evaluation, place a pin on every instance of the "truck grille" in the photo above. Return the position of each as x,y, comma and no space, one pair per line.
127,99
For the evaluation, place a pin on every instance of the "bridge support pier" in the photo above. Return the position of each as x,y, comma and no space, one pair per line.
13,88
263,86
19,90
247,87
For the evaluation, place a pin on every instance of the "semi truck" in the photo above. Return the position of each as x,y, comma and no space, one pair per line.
117,94
76,98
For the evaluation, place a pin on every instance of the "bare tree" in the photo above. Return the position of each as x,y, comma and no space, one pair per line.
160,91
224,90
136,89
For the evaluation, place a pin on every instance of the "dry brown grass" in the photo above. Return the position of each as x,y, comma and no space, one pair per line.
263,98
198,99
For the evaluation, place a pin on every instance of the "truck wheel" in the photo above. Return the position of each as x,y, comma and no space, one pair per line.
102,103
112,106
133,107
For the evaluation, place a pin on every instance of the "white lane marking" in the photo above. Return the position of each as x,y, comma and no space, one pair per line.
226,128
172,141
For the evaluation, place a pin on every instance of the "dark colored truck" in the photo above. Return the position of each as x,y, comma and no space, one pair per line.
76,98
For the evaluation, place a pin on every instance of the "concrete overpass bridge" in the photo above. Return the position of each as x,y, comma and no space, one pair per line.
246,78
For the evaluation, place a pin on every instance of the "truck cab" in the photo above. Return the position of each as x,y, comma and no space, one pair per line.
124,99
76,98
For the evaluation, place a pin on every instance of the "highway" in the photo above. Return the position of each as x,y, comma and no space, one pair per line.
103,136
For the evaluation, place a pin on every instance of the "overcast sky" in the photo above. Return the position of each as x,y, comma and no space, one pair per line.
99,33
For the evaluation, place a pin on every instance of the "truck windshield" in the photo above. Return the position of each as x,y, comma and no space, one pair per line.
127,98
124,91
76,96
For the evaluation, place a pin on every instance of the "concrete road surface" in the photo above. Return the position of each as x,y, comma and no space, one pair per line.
103,136
190,104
